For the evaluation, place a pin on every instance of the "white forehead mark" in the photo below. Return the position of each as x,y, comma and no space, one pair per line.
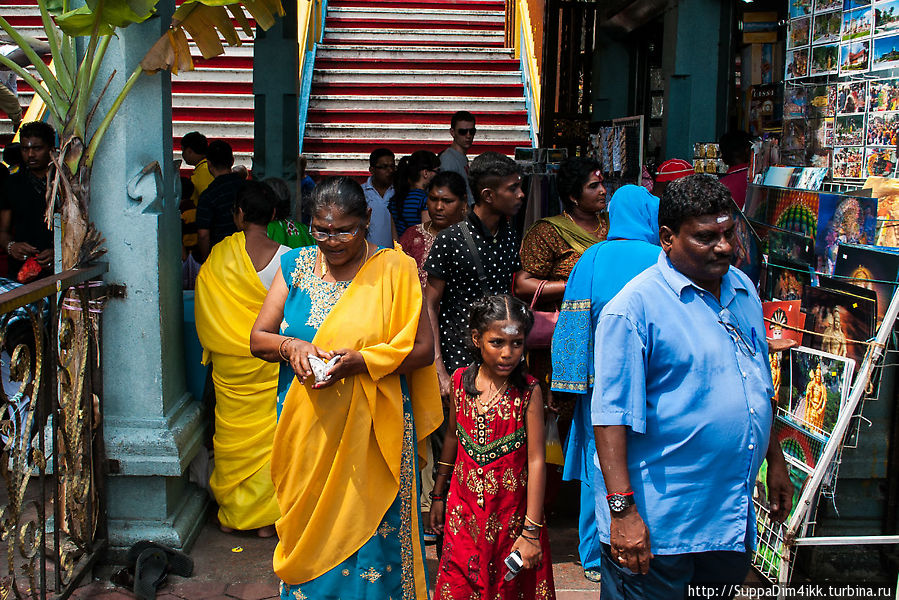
511,329
722,219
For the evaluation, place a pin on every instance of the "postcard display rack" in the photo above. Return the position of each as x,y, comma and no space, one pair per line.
841,91
826,265
617,145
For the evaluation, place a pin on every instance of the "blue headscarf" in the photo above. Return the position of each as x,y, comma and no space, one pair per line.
631,247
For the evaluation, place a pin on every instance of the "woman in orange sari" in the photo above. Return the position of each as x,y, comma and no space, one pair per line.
344,457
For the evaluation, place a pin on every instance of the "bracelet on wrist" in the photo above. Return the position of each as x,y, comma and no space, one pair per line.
446,464
434,496
281,348
532,522
613,494
9,247
530,528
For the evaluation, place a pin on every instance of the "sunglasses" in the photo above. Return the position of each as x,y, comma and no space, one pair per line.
472,131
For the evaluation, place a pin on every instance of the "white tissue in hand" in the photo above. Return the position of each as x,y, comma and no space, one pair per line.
320,368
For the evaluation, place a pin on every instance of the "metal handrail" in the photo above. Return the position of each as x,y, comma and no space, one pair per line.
520,37
47,286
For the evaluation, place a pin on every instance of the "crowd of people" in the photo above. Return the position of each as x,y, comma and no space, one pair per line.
384,357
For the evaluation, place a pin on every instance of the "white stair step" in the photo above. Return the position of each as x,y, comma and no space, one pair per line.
182,100
418,14
412,35
204,74
328,161
411,131
215,129
423,76
350,51
401,103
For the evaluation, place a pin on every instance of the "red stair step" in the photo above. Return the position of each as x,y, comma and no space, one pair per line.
462,5
413,24
429,64
319,115
436,43
501,90
348,145
237,144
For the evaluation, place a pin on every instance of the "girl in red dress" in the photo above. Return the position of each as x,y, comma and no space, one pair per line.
493,462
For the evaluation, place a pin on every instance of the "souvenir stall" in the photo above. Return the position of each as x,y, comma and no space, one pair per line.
826,265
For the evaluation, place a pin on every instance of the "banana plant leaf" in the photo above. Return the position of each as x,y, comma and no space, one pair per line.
113,13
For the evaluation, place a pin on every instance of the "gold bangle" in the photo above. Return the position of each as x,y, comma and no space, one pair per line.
446,464
532,521
281,350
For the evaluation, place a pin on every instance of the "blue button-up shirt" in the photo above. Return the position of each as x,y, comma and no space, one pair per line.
695,395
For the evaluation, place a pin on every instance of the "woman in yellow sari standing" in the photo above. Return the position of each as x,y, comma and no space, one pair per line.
231,286
344,461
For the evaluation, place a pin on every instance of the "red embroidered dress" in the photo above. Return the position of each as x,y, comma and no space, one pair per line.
487,502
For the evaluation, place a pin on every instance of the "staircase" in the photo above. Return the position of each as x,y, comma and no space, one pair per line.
215,99
392,72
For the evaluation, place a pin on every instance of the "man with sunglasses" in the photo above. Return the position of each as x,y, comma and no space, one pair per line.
455,158
378,192
682,410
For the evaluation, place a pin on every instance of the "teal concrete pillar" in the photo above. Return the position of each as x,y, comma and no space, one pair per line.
613,75
695,61
276,67
152,427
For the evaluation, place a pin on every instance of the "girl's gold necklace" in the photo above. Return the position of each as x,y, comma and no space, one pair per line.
594,232
484,407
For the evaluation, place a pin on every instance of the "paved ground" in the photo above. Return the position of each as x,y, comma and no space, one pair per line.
238,567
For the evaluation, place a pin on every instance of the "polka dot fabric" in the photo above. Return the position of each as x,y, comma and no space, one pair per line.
451,260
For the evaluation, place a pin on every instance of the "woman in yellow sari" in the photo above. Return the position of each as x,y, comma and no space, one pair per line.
344,461
231,286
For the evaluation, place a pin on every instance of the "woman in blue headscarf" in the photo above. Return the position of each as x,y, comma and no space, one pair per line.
632,246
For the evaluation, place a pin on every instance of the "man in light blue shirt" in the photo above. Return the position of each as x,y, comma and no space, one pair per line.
682,410
378,192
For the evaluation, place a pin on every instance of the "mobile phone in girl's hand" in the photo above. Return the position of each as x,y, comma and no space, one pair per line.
513,563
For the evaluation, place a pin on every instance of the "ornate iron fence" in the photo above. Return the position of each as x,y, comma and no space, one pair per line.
53,516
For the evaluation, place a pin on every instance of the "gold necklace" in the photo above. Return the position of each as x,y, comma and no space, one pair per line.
428,229
594,232
484,407
325,262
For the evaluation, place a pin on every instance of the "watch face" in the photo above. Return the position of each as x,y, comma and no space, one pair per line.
618,503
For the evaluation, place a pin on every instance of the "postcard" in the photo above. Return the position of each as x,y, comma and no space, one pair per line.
847,163
886,190
880,162
883,95
783,320
825,5
851,97
857,24
795,102
797,63
798,32
843,220
819,384
849,130
886,17
871,268
847,5
837,322
747,253
885,53
785,280
882,129
825,60
801,8
854,57
826,27
791,245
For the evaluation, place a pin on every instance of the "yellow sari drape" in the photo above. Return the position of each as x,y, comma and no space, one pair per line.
229,295
336,458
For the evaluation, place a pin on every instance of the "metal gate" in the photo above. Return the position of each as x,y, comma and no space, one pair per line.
53,517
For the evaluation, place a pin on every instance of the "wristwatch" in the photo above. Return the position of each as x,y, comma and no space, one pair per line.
618,503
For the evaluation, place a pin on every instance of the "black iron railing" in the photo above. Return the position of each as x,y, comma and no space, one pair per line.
53,515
